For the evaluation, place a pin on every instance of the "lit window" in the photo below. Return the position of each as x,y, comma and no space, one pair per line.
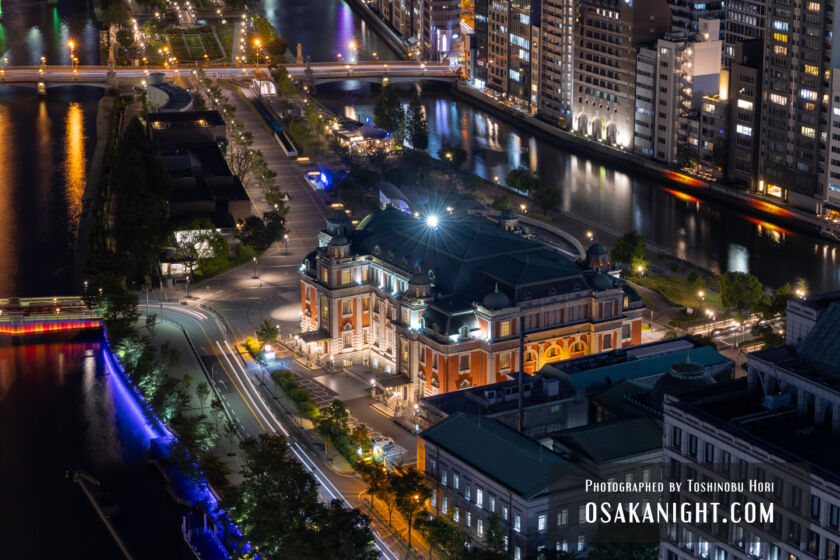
745,130
779,49
808,94
778,99
780,37
504,329
781,25
744,104
345,276
813,6
808,131
542,523
812,70
347,307
504,360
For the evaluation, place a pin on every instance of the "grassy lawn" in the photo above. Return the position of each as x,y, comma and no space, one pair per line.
679,291
225,33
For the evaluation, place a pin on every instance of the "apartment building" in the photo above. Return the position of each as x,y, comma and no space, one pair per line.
556,64
745,113
441,29
796,101
608,35
744,21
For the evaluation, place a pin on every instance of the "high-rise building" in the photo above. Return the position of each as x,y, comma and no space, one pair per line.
608,35
686,14
745,113
796,100
744,21
441,29
556,63
477,54
512,43
831,201
673,84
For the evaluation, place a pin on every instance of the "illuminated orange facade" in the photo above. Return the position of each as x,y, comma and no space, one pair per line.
445,305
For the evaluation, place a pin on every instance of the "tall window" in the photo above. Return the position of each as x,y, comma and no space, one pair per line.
504,329
504,360
345,276
464,362
347,307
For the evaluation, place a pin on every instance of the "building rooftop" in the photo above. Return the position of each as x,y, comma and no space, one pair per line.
179,98
606,441
817,356
466,257
618,365
511,459
187,119
780,431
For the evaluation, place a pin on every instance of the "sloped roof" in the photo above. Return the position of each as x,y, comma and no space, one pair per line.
821,348
467,255
513,460
612,396
616,439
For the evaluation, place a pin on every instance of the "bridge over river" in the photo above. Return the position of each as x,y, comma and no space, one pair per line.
41,315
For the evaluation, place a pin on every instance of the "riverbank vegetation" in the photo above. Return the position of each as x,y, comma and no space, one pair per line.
279,514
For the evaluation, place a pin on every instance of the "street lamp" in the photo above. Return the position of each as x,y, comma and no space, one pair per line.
701,296
641,270
286,240
188,286
524,208
257,44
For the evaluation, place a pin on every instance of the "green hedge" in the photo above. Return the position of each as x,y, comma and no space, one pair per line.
285,379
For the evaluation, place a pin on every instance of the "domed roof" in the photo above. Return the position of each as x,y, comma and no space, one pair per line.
508,214
339,240
596,249
496,300
339,216
601,281
682,378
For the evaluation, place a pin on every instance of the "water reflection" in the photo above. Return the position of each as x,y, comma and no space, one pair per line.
595,195
75,165
325,28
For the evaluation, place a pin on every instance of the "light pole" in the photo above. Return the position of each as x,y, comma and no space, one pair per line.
286,241
257,44
254,260
701,296
188,286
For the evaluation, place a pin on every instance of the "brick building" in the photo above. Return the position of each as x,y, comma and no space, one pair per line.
442,302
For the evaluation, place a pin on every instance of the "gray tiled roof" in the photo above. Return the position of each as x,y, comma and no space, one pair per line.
821,348
513,460
616,439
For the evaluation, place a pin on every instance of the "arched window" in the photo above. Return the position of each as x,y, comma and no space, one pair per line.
530,356
577,347
552,352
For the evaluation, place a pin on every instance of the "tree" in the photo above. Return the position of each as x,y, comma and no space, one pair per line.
777,303
256,234
277,503
125,38
768,335
199,103
411,492
630,249
277,510
277,47
115,12
455,156
547,198
375,477
332,422
388,112
494,538
361,438
342,534
418,129
443,536
523,179
267,332
202,391
741,291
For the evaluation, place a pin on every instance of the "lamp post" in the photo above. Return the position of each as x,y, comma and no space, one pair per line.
254,260
188,286
286,241
701,296
257,44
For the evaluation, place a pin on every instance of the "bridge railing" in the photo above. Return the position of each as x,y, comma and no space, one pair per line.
41,301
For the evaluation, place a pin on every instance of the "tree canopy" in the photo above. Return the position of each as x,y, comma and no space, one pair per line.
741,292
388,112
631,250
